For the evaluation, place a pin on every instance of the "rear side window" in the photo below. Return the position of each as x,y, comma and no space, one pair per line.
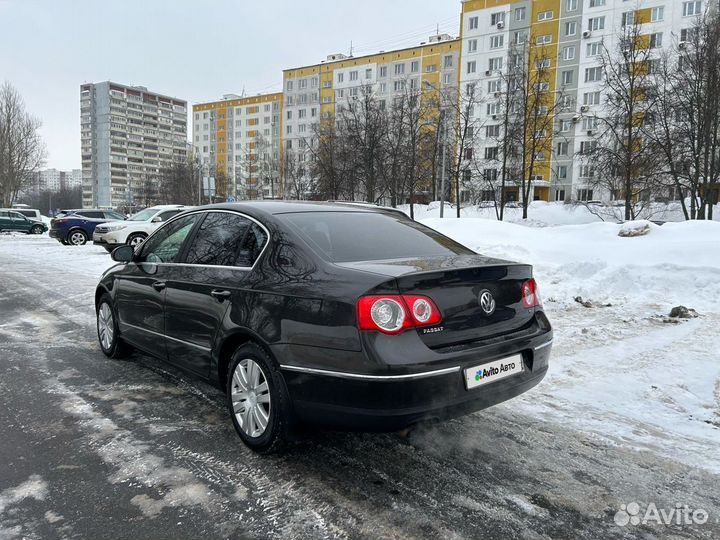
91,214
164,216
113,215
220,241
370,236
27,213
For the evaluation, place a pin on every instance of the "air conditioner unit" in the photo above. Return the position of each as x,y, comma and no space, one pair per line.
498,94
500,25
576,119
584,108
681,45
587,34
488,72
590,132
494,116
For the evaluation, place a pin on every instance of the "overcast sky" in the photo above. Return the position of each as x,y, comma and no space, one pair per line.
194,50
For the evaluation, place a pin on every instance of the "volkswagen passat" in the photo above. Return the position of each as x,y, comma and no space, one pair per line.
346,316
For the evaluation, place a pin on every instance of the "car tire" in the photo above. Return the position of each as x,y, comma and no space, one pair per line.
136,239
36,229
108,333
77,238
265,400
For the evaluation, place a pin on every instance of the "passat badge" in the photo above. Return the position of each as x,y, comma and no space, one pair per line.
487,302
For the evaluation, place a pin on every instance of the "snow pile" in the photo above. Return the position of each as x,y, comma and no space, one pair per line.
543,214
621,368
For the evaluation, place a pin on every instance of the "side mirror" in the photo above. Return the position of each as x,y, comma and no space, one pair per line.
123,254
156,219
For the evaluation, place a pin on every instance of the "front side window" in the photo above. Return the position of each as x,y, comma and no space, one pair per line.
226,239
165,245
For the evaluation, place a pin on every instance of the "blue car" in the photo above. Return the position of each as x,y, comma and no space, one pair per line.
75,227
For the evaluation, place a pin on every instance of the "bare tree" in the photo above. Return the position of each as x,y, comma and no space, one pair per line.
178,183
22,151
621,158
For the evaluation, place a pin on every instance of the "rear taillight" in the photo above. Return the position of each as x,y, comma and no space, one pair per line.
391,314
57,221
530,294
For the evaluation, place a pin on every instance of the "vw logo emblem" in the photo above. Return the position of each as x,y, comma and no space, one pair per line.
487,302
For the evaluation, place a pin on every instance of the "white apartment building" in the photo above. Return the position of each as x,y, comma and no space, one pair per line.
237,142
128,136
55,180
573,33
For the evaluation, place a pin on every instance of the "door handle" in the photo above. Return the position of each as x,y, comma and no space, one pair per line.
220,295
158,285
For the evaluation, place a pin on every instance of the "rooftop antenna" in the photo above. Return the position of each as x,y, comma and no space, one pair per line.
351,48
437,29
242,94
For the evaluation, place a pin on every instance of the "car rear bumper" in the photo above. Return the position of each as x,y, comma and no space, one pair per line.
57,234
398,398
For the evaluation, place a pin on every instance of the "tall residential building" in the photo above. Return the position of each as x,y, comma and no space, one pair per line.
128,136
55,180
313,92
572,34
237,140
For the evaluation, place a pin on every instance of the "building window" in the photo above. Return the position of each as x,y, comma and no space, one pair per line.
473,23
496,42
289,85
544,40
447,78
368,73
571,5
593,74
584,194
340,77
399,69
565,125
591,98
545,15
628,18
656,40
353,76
568,53
494,86
472,66
520,13
657,14
562,172
492,131
567,77
570,28
448,61
414,66
596,23
593,49
597,3
692,8
472,46
495,64
562,148
497,18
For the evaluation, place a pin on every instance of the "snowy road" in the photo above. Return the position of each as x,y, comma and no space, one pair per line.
94,448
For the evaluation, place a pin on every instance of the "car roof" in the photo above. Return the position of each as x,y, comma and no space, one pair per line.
288,207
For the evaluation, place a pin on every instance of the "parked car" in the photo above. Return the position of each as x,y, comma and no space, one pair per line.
12,220
136,228
75,227
344,316
31,213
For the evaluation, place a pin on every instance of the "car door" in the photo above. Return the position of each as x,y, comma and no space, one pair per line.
5,223
207,283
18,222
142,283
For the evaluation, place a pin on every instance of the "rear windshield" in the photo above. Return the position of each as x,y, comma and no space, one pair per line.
365,236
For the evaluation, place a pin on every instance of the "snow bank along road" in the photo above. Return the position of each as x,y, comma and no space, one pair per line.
92,448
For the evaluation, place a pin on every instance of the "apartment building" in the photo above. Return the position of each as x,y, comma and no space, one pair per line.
237,141
572,34
315,91
128,136
55,180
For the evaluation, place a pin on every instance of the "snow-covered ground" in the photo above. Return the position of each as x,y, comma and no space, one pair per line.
543,214
622,369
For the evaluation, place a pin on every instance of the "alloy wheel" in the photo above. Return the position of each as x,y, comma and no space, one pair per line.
77,238
136,241
250,398
106,326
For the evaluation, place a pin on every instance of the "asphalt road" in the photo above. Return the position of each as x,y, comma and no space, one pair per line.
98,448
